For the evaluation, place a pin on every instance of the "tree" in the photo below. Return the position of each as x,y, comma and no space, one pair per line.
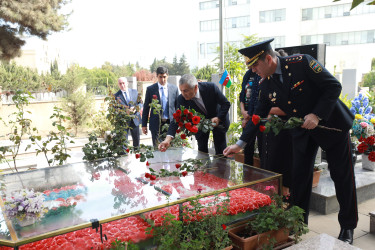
73,79
145,75
14,77
182,66
28,18
205,73
79,107
157,63
369,79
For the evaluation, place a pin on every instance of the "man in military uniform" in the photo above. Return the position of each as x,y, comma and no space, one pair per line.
302,87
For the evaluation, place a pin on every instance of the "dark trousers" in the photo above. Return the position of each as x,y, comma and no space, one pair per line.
155,134
250,147
340,164
135,135
220,141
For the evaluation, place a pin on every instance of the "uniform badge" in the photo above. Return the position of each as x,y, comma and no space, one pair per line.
297,84
315,66
272,97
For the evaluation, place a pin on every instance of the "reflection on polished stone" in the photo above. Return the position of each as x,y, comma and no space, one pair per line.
322,241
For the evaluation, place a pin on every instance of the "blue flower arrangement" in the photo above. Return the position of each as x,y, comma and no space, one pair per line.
361,106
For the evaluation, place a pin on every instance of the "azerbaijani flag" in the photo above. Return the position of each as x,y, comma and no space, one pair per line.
225,79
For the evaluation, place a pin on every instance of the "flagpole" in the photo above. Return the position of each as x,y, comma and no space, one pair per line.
221,43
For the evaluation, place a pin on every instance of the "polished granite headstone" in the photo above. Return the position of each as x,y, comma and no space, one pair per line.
323,197
322,241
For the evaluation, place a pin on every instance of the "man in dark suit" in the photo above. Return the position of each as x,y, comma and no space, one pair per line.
166,94
301,87
207,99
129,98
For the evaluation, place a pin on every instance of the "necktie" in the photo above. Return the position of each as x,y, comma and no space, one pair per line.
200,105
164,102
126,97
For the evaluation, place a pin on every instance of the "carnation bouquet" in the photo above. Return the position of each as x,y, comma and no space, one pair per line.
364,131
190,122
25,204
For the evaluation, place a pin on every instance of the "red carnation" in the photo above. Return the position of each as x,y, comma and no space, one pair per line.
178,165
262,128
370,140
184,118
178,130
194,129
137,156
190,115
186,111
127,150
371,156
147,164
147,175
177,119
184,173
224,226
175,116
361,139
255,119
183,136
178,112
362,148
152,177
154,97
180,124
196,120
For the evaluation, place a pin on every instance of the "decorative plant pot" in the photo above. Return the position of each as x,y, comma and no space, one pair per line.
256,162
256,241
25,222
367,164
316,177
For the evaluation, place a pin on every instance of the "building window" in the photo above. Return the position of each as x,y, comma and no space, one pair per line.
332,11
237,22
212,48
272,16
209,25
237,2
344,38
202,49
208,5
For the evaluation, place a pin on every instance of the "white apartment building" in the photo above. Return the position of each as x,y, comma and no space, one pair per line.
348,34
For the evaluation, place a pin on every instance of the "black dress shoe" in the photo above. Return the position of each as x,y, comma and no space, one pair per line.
346,235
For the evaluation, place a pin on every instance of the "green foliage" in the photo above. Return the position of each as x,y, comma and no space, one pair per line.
60,139
28,18
123,245
205,73
199,227
73,79
19,126
100,81
116,143
177,67
235,131
373,64
78,106
346,100
13,77
100,123
276,216
369,79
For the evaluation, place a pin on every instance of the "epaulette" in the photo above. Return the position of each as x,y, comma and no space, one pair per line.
294,59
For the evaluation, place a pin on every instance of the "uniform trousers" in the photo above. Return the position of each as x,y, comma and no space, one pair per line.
339,157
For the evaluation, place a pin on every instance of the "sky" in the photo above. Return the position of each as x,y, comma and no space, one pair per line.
122,31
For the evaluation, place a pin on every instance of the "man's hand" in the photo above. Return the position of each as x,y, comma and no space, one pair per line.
277,111
231,150
144,130
164,145
245,115
245,121
311,121
215,120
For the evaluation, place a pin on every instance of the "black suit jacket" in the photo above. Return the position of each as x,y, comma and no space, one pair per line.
310,89
147,111
216,104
